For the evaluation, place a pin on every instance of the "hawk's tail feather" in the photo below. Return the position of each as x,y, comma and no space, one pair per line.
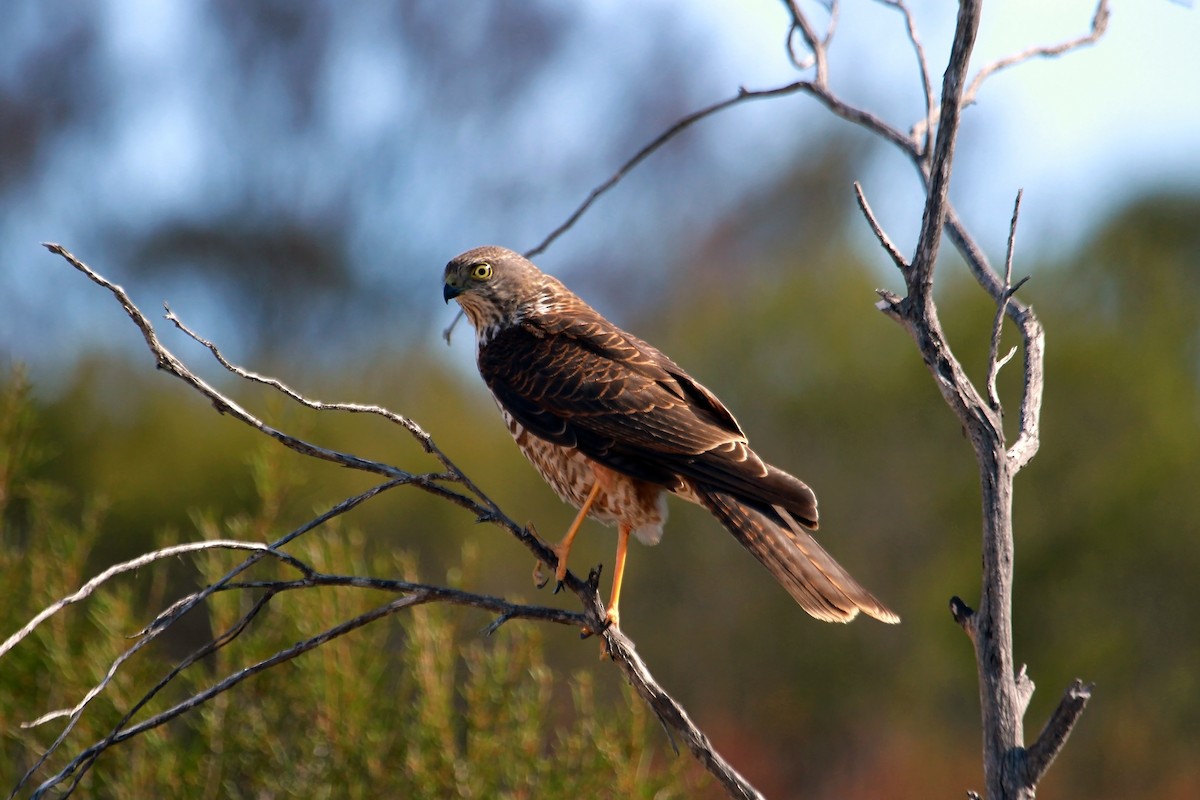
819,584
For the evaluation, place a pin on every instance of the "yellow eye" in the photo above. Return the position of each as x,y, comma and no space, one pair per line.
481,271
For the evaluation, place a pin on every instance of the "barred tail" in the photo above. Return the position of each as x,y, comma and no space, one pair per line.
819,584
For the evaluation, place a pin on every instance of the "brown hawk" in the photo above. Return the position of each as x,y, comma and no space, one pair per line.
613,425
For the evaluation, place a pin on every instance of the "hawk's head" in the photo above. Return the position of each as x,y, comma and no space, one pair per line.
494,286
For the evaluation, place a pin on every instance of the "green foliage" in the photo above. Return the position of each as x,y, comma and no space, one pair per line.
825,386
414,705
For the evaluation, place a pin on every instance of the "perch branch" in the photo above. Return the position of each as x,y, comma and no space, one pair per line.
619,647
675,717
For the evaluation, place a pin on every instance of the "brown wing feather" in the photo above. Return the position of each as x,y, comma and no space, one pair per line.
574,378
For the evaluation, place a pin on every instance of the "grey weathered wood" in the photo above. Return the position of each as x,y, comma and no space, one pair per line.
1010,771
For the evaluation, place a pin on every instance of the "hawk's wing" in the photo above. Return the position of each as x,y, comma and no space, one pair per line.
573,378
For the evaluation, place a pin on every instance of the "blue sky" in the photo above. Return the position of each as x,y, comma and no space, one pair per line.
1080,134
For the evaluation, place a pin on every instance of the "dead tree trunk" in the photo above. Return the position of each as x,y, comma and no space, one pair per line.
1011,772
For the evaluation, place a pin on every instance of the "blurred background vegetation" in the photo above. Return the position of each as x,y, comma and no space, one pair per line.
292,176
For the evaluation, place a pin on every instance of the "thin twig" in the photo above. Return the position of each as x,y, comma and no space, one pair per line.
1099,26
670,133
177,610
816,46
230,681
409,425
449,329
884,240
924,129
818,88
412,427
95,583
441,594
801,64
994,361
84,762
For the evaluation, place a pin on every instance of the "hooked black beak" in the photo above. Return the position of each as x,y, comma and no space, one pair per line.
450,291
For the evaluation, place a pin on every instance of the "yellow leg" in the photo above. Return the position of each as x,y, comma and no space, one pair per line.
613,615
563,548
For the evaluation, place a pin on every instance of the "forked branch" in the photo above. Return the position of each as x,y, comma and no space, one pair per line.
439,483
1010,771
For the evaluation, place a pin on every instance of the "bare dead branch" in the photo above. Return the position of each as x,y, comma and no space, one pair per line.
91,586
816,46
413,428
84,761
926,125
1025,690
675,717
670,133
933,220
995,362
227,683
818,88
917,311
1033,339
801,64
164,619
834,14
449,329
167,361
884,240
861,117
1050,741
453,473
1004,692
618,646
1099,26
